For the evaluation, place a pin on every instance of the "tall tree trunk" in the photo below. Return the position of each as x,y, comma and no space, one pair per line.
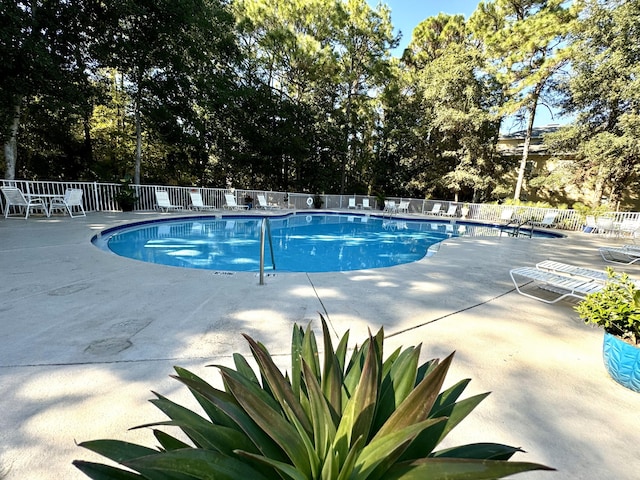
136,173
346,157
88,144
11,146
525,148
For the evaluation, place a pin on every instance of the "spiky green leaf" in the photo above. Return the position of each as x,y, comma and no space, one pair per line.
310,352
332,374
273,423
285,468
450,395
359,411
117,450
397,384
458,469
200,464
425,369
431,437
349,463
486,451
387,448
203,433
280,388
341,351
169,442
244,369
297,339
228,404
254,387
212,411
417,405
324,429
98,471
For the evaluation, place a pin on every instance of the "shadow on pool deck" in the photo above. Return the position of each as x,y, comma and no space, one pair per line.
86,335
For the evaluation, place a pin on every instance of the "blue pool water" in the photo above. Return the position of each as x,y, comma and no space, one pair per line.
301,243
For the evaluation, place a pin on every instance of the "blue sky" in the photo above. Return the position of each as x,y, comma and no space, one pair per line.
407,14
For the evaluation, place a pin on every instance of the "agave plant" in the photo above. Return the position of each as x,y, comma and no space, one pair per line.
335,419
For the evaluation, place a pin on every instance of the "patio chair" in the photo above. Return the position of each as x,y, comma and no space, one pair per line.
548,221
163,202
606,226
352,202
71,201
403,206
197,203
590,224
231,203
390,206
436,209
15,199
629,227
627,254
452,211
262,203
506,215
365,204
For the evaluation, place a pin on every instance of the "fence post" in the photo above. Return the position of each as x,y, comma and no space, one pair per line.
96,197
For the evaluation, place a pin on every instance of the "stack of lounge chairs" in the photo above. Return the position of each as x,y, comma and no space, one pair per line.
626,254
559,279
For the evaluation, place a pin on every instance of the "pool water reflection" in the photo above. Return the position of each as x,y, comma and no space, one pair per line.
300,243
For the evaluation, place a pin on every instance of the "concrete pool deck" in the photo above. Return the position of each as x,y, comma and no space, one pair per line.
85,336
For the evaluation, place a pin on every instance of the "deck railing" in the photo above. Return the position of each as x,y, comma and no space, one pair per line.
100,197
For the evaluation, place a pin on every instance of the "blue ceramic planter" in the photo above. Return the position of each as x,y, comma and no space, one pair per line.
622,361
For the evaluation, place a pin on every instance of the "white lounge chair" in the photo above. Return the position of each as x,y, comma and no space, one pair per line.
629,227
262,203
352,202
506,215
573,270
627,254
403,206
20,203
231,203
163,202
436,209
548,221
197,203
452,211
390,206
365,204
590,224
71,201
605,225
561,285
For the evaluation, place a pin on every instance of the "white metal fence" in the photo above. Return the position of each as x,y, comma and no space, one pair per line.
99,197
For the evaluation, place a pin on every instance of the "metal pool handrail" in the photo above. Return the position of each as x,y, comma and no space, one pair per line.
265,231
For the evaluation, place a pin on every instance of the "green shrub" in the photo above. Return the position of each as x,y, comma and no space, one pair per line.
336,418
616,307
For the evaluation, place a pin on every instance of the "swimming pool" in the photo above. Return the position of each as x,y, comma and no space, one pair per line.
295,243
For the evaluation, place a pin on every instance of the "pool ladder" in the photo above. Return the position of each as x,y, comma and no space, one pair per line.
513,228
265,232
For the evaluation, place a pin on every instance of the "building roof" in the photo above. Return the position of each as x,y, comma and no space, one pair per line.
537,132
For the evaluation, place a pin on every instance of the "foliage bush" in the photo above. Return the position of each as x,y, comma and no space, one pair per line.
126,195
585,210
339,418
616,307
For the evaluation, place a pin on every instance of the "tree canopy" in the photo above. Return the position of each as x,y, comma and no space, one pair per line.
306,95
